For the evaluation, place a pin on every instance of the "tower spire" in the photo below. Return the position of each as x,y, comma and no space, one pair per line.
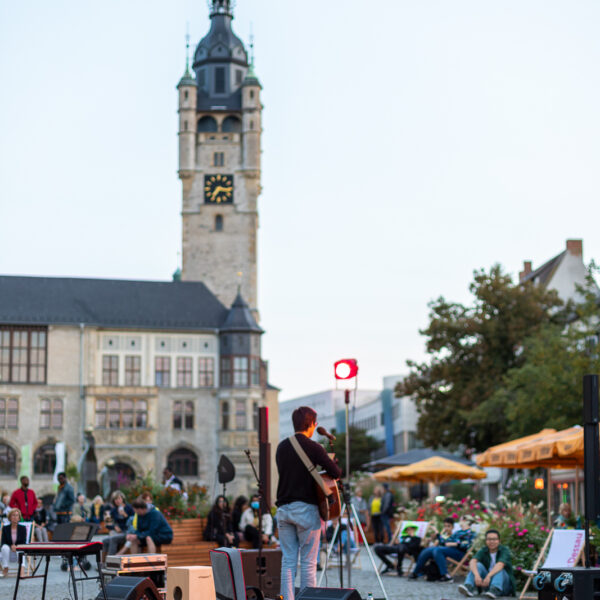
221,7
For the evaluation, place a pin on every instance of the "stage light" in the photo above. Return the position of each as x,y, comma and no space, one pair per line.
346,368
539,483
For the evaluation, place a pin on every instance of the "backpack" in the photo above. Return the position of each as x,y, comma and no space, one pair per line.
431,570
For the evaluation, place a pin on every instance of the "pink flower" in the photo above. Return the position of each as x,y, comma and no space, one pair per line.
525,530
454,516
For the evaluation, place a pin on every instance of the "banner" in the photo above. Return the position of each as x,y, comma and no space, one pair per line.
25,461
59,450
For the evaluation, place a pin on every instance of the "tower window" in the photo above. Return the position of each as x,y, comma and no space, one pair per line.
201,78
238,76
185,95
206,124
231,124
185,125
218,159
251,94
251,124
220,80
219,223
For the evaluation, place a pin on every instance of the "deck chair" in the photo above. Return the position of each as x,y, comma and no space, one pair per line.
228,575
461,567
421,526
13,560
355,548
566,550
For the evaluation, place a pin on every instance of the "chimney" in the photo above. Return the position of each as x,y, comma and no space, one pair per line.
575,247
526,270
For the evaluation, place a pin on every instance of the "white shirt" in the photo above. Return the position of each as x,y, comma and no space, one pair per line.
493,559
248,519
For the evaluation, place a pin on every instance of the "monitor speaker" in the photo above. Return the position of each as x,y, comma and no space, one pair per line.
270,566
187,583
591,451
130,588
328,594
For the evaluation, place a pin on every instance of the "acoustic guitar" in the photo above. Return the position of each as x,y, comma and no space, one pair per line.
330,506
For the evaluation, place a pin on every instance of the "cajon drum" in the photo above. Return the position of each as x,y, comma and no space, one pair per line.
189,583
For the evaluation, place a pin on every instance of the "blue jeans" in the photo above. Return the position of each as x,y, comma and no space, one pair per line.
439,554
385,521
500,580
299,531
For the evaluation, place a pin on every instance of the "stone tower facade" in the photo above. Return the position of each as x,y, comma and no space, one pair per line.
219,163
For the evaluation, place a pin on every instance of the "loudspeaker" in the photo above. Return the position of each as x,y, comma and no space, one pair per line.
270,567
187,583
225,470
591,447
328,594
130,588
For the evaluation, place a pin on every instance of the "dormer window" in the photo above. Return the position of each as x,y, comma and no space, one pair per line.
220,80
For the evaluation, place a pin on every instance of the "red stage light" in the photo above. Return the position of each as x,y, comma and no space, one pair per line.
346,368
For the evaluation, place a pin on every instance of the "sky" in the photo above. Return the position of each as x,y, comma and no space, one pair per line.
405,144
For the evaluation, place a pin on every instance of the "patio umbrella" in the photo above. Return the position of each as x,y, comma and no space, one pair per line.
412,456
435,469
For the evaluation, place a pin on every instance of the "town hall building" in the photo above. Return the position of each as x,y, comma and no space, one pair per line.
158,372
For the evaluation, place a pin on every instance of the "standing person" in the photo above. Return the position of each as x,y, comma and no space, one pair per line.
375,509
362,509
490,570
388,507
298,513
24,499
249,523
40,518
64,500
13,534
171,481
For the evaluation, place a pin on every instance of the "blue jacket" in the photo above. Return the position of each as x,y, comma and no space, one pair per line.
154,525
464,538
65,498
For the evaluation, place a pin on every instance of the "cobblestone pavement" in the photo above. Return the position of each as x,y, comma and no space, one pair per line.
398,588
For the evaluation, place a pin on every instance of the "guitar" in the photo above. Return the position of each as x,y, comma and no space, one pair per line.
330,506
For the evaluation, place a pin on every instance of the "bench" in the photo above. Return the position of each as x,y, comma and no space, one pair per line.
188,547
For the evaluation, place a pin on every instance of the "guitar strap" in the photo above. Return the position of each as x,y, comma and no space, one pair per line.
308,464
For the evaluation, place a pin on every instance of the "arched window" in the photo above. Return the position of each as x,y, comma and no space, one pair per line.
207,124
183,462
219,223
231,124
225,415
8,460
44,460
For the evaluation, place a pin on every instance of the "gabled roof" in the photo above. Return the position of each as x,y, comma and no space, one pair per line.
544,273
240,317
184,305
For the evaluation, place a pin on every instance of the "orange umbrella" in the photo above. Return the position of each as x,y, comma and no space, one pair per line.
435,469
507,454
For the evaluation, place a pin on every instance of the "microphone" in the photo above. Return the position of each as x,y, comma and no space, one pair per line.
322,431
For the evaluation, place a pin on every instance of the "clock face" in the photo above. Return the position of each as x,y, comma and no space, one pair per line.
218,189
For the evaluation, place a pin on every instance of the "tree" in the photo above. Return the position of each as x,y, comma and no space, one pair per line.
471,349
361,447
546,389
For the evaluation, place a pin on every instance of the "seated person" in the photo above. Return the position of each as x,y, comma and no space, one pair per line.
239,506
219,525
119,511
453,546
149,528
80,509
13,534
565,519
40,518
97,509
249,523
491,571
409,543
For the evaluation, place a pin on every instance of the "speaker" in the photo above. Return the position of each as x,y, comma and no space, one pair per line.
225,470
591,451
187,583
270,568
328,594
130,588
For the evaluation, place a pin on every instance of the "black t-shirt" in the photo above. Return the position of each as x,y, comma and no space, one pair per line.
296,484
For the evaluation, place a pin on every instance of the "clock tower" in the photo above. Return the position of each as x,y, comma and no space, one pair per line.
219,163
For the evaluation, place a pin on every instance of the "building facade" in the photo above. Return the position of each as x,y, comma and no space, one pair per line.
157,372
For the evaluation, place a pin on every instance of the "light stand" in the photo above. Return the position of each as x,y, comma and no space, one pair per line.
347,369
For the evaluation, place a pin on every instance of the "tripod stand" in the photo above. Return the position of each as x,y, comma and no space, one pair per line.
350,511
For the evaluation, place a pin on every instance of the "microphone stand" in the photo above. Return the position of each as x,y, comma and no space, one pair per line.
262,503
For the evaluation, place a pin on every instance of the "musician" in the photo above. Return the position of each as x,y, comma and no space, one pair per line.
298,513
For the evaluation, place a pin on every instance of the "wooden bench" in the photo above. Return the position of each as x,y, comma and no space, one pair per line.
188,548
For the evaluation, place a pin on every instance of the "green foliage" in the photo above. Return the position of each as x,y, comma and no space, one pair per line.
362,446
459,489
170,502
72,472
521,488
471,349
